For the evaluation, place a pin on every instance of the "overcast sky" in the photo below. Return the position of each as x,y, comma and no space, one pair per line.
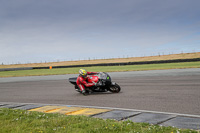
51,30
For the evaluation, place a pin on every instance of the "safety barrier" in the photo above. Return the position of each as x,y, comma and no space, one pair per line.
15,69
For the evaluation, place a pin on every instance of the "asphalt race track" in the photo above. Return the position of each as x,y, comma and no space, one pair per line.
175,91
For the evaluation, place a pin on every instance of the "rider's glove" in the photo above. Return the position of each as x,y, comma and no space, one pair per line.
97,84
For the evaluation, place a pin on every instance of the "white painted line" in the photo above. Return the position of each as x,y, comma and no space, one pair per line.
136,110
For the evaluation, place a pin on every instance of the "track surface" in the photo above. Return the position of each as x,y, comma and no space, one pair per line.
175,91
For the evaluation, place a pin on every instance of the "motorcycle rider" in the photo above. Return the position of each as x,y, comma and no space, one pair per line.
82,80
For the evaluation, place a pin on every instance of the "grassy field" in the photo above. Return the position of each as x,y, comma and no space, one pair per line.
114,60
21,121
58,71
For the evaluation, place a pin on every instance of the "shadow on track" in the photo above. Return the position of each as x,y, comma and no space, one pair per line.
98,93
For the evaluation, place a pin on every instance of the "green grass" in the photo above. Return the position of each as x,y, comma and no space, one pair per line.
21,121
58,71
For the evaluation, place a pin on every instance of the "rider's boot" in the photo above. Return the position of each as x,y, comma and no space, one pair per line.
84,93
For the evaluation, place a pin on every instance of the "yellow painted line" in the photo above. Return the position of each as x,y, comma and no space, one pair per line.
66,110
47,109
88,111
70,110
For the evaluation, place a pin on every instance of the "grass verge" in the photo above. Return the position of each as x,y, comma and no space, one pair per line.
58,71
21,121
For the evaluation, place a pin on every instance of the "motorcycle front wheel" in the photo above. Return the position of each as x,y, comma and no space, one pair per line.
115,88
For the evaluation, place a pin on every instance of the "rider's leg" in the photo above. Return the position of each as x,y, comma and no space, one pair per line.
82,88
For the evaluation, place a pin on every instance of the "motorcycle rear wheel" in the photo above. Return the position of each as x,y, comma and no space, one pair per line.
115,88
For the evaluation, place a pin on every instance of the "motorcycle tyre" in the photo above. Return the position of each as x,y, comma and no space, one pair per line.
115,88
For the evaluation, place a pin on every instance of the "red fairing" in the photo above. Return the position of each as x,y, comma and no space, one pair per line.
92,79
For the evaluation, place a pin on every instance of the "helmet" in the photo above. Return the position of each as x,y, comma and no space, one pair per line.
83,73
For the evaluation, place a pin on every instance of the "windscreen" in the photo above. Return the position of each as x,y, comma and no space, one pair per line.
102,75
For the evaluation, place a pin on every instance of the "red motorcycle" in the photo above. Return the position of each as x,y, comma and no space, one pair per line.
104,83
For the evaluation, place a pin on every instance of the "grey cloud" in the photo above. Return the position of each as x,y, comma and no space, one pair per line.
87,27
